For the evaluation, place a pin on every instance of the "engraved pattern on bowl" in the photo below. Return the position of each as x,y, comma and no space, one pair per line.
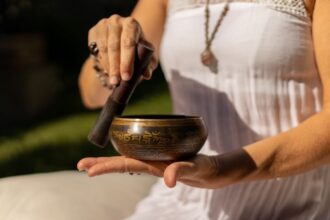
158,137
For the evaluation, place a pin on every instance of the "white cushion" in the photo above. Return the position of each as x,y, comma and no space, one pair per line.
70,195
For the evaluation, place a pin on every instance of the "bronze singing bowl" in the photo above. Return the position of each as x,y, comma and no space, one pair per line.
158,137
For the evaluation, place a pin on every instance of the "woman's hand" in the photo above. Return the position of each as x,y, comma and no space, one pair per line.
201,171
116,38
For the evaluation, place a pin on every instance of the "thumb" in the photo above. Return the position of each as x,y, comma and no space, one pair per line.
149,70
175,171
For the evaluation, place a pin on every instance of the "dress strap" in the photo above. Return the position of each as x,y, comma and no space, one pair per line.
295,7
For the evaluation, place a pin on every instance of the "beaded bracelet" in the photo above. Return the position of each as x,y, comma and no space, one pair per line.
100,72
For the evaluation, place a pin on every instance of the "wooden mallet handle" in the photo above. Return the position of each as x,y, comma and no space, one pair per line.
120,96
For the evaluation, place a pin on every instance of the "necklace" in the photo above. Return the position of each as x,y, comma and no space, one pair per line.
207,57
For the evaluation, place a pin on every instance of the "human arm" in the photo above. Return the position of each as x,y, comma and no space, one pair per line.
295,151
308,145
299,149
116,38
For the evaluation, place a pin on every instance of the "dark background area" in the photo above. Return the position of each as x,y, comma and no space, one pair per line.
43,44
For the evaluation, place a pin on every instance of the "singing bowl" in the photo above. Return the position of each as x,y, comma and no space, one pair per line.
158,137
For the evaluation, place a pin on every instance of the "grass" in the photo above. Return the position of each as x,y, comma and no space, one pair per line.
59,144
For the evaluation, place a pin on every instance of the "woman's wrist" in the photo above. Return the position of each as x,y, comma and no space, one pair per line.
92,92
233,166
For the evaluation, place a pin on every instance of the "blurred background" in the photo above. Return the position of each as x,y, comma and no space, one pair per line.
43,43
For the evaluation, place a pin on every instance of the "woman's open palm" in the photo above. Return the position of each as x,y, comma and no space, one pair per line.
200,171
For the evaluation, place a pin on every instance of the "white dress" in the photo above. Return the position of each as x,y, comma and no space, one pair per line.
267,83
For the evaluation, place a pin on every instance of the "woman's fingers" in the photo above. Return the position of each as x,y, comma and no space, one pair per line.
116,39
86,163
177,171
129,38
111,165
198,172
114,35
120,164
151,67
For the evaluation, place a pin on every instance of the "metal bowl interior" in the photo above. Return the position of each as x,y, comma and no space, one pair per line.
158,137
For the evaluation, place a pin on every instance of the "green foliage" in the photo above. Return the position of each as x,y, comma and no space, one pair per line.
59,144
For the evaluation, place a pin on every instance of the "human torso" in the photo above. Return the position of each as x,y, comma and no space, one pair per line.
267,82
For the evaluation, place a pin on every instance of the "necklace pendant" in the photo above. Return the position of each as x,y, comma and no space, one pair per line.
209,60
207,57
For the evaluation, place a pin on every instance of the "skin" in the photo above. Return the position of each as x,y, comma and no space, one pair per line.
116,38
295,151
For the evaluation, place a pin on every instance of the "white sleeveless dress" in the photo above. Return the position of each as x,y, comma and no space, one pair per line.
267,83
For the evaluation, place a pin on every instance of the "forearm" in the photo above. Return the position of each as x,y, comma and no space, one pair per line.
301,148
151,15
93,94
298,150
295,151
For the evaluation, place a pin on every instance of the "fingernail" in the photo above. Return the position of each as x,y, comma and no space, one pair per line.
126,76
81,169
114,80
91,174
79,166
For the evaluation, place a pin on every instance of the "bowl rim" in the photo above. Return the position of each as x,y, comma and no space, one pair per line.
157,117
